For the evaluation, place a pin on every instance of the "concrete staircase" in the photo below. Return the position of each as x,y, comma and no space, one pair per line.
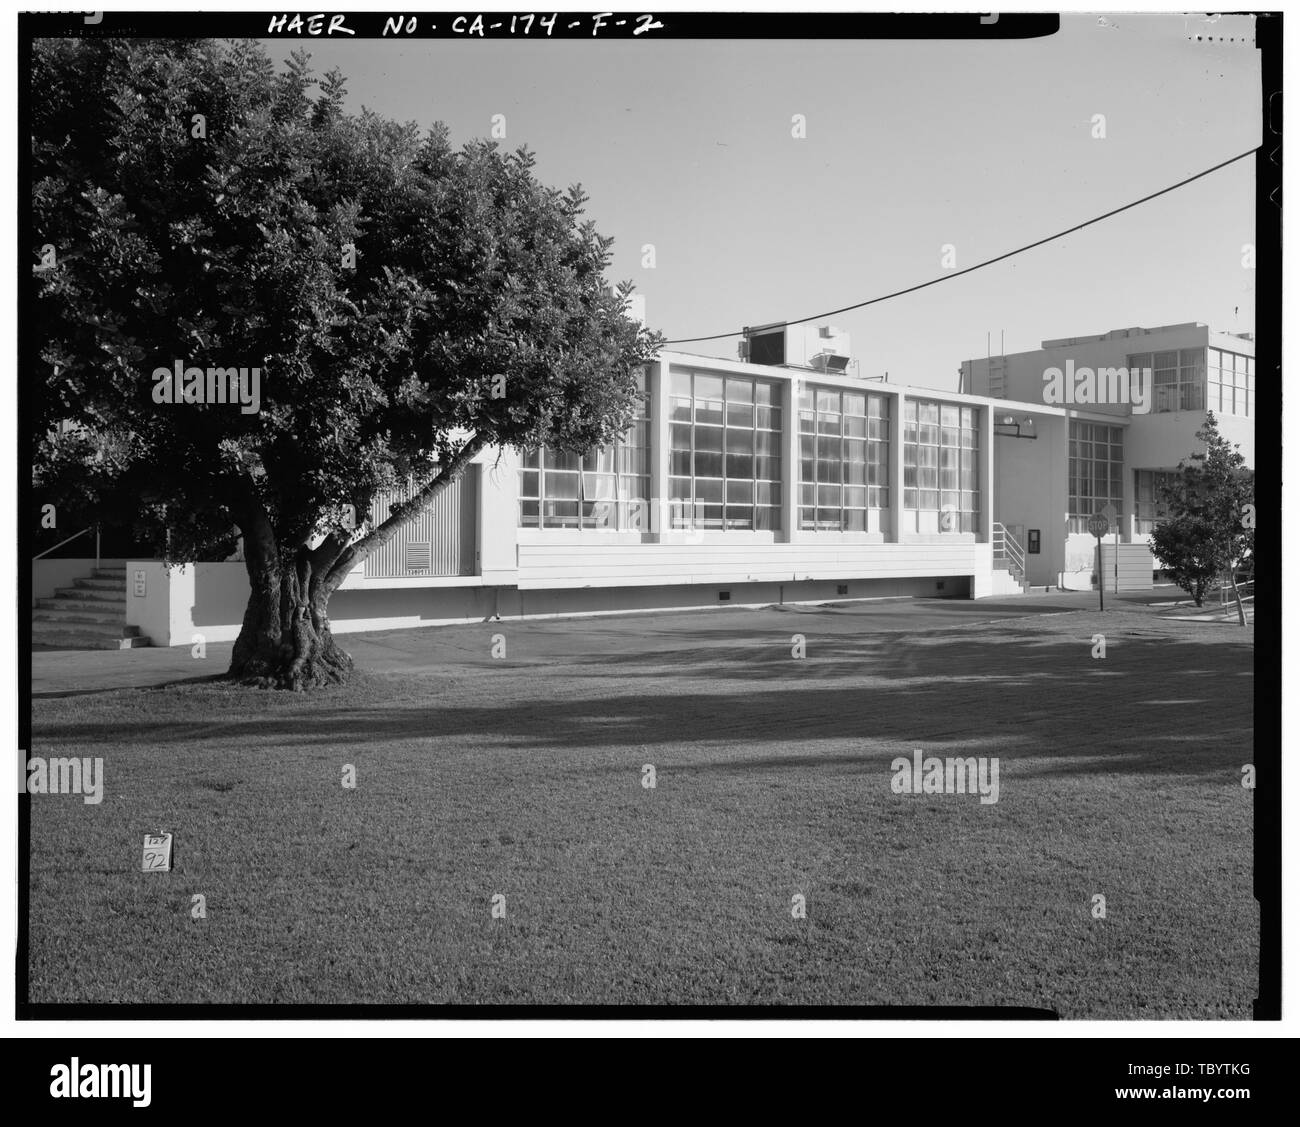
90,615
1009,569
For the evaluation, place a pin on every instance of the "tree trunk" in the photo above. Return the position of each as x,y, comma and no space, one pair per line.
285,641
1236,593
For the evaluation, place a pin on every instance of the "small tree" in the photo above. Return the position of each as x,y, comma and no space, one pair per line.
1210,528
407,305
1190,552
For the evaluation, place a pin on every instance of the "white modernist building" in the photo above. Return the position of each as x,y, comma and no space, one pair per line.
780,477
1111,453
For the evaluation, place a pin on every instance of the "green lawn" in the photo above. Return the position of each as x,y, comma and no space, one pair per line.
522,777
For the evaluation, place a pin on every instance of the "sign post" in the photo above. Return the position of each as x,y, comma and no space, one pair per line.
1098,525
1112,515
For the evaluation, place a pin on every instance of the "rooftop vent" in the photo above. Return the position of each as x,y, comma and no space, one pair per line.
821,348
830,362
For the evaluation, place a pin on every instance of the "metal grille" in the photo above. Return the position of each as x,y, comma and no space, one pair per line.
418,557
441,541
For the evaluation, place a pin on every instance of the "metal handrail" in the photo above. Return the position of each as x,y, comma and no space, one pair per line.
69,540
1011,548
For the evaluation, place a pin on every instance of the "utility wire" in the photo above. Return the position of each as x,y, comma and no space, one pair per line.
988,262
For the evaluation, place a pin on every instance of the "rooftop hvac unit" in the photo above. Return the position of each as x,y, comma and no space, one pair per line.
823,348
766,344
829,361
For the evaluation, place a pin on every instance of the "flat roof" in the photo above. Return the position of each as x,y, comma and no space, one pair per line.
1123,334
912,391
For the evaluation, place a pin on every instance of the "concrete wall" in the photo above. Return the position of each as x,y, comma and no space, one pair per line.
498,517
1241,431
182,604
676,597
1031,491
1004,583
50,574
1160,442
157,611
594,563
208,601
1024,370
1080,562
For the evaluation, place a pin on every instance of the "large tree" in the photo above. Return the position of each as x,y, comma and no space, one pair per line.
406,303
1210,529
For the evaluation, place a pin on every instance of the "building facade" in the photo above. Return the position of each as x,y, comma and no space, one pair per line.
737,482
1113,451
781,477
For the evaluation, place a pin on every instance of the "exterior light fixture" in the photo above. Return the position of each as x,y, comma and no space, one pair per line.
1019,427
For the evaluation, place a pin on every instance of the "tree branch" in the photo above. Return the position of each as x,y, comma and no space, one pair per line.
407,512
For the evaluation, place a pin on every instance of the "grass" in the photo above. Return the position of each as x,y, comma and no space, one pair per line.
522,777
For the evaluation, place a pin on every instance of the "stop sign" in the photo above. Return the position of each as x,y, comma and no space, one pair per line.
1098,525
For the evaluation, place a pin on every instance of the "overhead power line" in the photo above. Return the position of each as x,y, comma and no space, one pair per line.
987,262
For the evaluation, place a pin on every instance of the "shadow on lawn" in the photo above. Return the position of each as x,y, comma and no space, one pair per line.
57,694
1020,656
1153,705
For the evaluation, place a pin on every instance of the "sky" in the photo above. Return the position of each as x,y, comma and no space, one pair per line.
910,147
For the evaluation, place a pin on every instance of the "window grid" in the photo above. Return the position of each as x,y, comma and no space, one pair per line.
724,461
1230,386
941,483
1148,509
603,488
843,460
1096,471
1177,378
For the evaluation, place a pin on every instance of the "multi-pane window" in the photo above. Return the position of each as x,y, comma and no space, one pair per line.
1231,384
1177,377
1096,471
604,488
724,461
1148,509
843,460
941,482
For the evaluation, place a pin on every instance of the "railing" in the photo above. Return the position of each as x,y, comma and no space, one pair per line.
69,540
1228,603
1007,549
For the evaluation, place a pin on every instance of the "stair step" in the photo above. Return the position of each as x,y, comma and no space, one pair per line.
86,611
101,584
90,615
66,640
63,602
91,594
84,606
45,621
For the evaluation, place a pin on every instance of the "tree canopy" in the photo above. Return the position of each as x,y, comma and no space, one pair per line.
1210,529
405,303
